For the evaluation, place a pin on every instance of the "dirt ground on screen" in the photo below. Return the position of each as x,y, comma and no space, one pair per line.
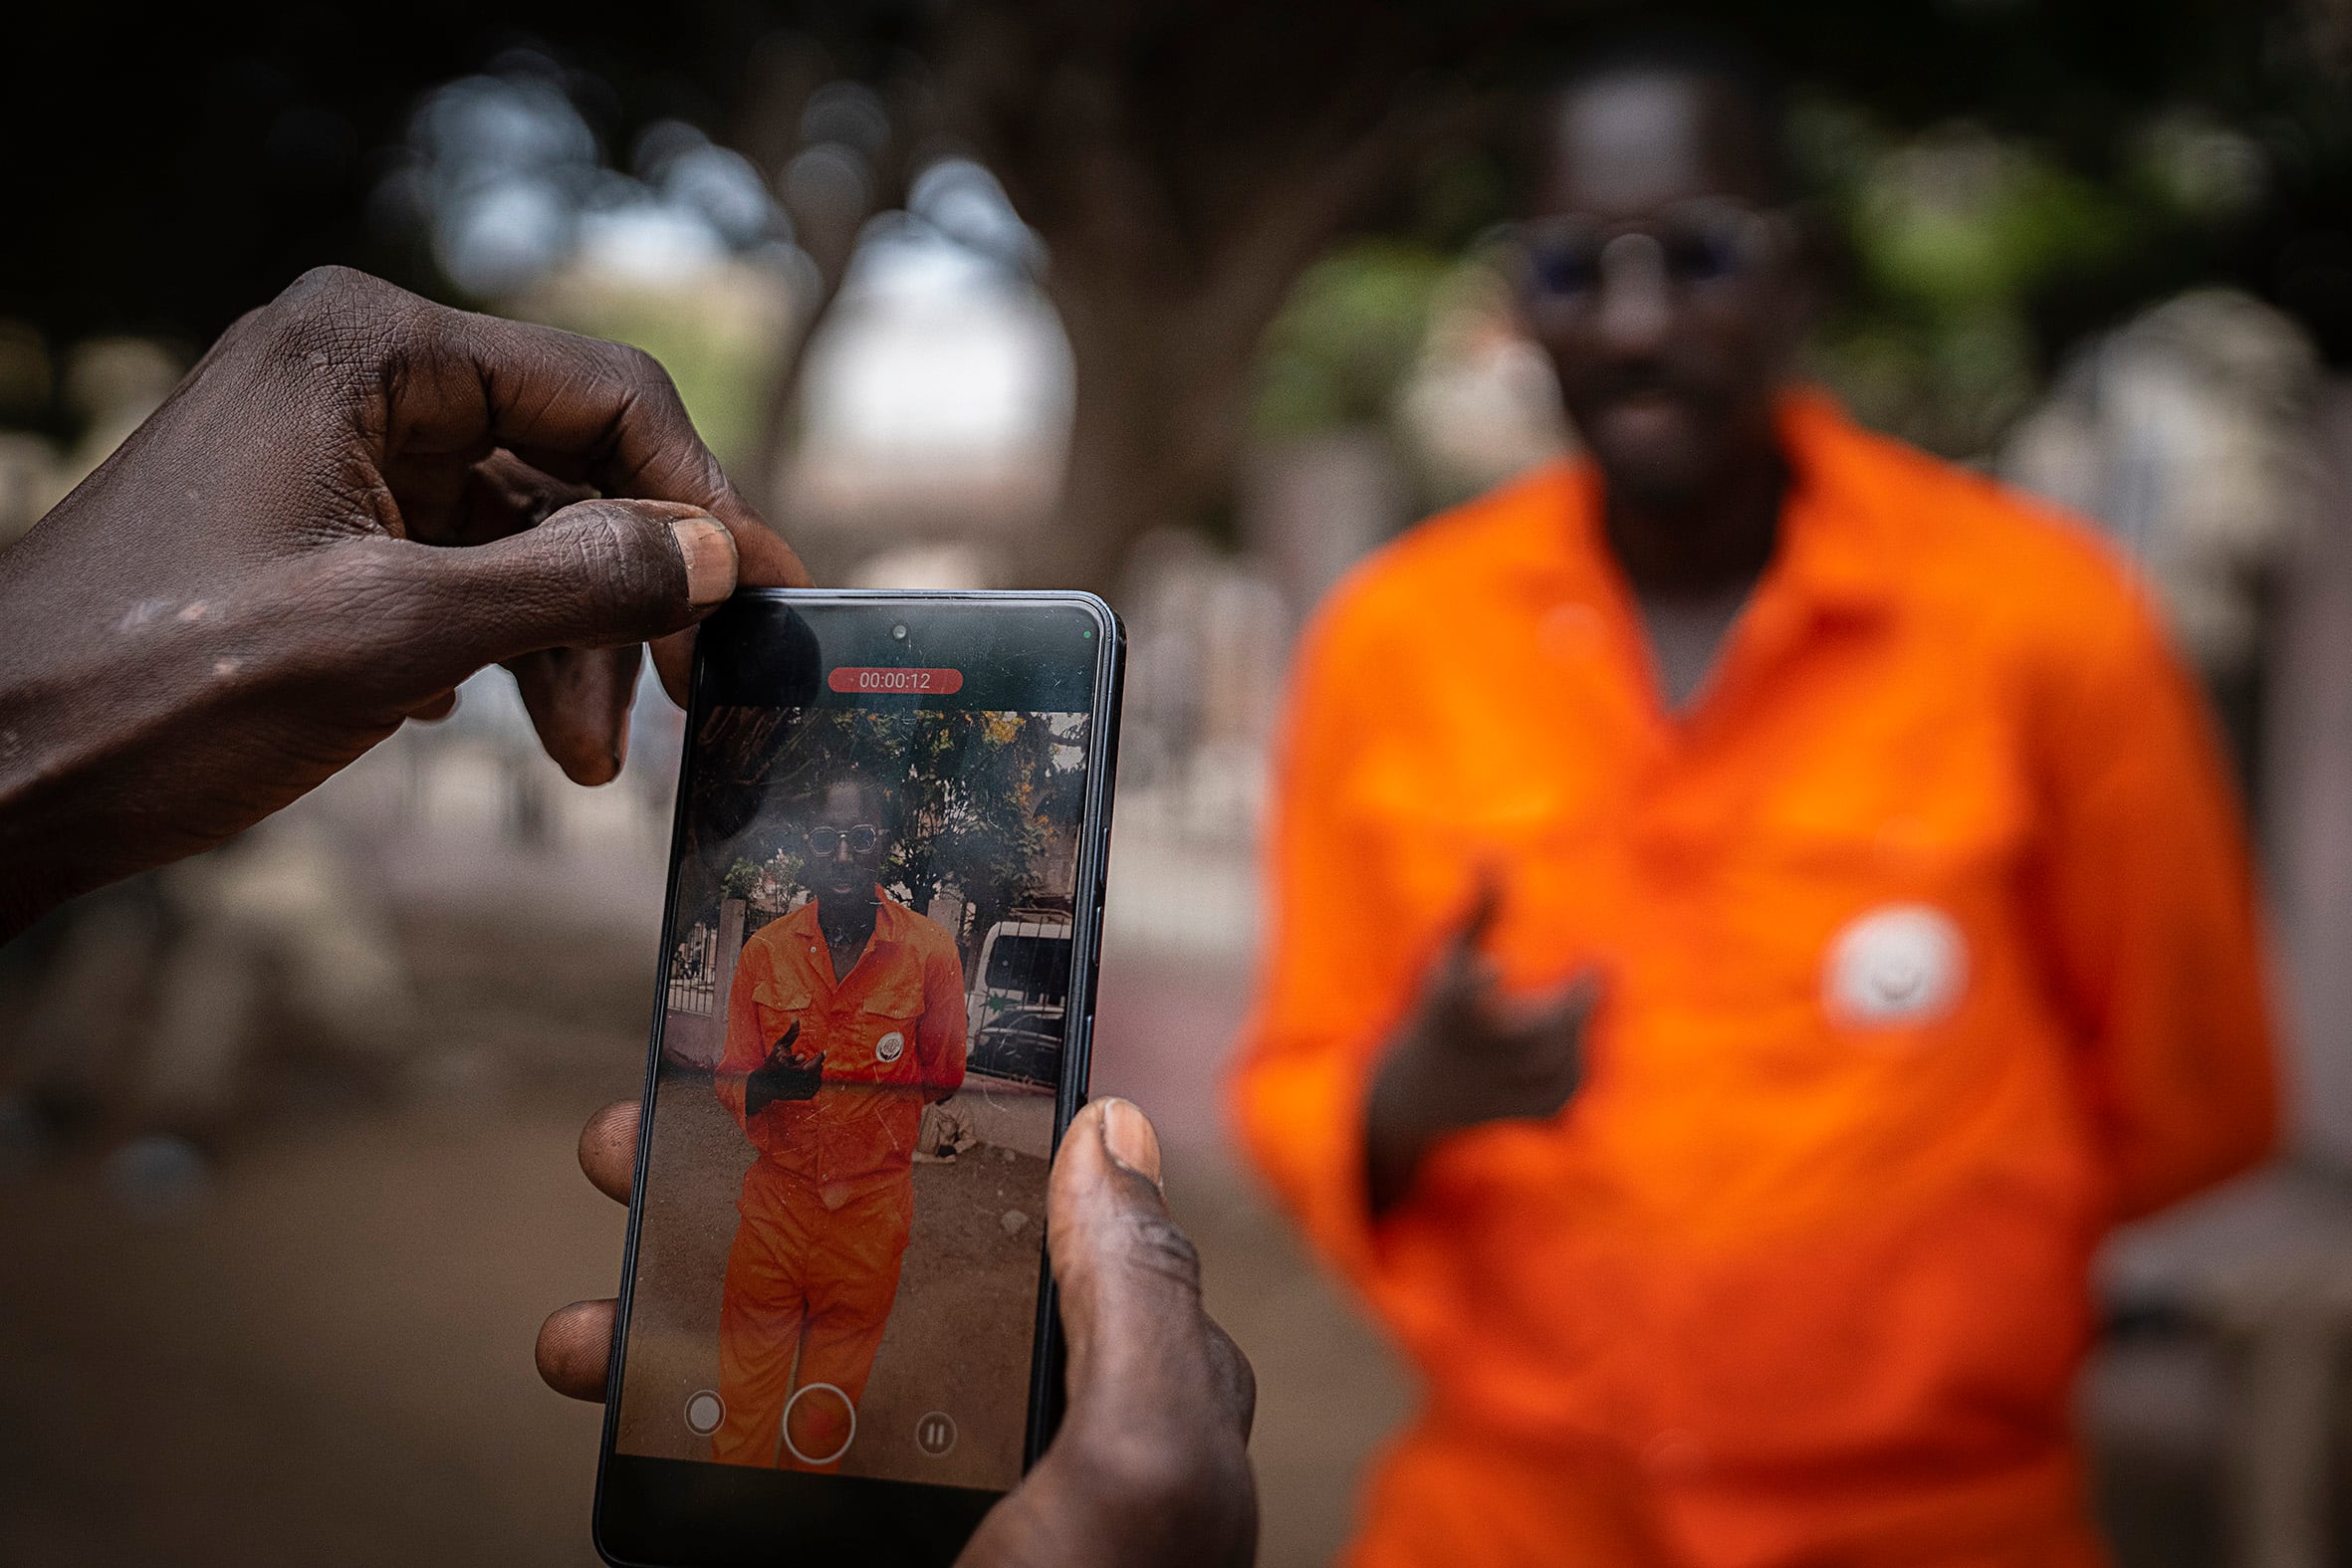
959,1331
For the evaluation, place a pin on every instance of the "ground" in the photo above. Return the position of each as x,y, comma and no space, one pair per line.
960,1330
328,1358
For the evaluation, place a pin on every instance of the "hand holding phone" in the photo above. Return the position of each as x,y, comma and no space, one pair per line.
1154,1383
1151,1467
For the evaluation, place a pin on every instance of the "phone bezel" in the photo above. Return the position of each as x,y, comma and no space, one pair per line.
959,1509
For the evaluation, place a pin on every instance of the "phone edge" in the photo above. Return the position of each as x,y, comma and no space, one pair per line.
1071,1092
656,1029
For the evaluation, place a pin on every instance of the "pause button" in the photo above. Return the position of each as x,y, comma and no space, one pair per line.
936,1434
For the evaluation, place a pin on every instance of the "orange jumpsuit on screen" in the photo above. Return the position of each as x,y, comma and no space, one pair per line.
1928,953
826,1210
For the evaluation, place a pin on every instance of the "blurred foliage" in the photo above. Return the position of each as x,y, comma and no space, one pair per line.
1967,250
717,342
2009,174
2006,176
1992,183
1346,337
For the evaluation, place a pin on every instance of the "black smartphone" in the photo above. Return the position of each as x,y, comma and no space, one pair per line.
836,1339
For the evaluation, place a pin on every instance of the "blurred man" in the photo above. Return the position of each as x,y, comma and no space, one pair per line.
328,527
1751,910
846,1018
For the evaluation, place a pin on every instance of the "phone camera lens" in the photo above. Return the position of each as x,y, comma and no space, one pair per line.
899,631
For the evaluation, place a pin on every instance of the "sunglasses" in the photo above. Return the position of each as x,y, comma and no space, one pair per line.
824,841
1564,260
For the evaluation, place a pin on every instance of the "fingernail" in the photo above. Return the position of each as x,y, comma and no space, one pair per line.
1127,1134
709,560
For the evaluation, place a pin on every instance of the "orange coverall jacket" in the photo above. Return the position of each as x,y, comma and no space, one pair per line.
1929,950
891,1031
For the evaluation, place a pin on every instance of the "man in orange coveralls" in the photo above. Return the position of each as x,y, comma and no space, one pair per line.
1751,910
845,1017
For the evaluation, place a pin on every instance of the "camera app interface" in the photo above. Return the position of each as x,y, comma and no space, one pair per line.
838,1264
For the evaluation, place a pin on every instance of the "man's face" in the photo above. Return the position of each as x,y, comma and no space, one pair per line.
1655,274
845,818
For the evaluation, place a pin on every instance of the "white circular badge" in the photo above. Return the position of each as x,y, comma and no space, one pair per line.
1897,964
889,1045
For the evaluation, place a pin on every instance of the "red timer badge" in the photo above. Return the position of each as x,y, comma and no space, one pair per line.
875,680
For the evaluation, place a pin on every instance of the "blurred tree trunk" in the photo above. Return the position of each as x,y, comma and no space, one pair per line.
1162,403
833,172
1184,163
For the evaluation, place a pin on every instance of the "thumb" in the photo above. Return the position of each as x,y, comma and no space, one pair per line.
1564,1009
1130,1281
1459,976
1150,1466
597,573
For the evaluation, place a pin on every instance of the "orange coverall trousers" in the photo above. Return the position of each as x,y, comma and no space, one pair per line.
809,1294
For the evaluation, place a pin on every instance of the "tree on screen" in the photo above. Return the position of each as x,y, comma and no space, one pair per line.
986,805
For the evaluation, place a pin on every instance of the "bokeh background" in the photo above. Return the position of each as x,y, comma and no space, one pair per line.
1182,301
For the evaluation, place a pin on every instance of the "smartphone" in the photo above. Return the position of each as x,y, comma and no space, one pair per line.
836,1339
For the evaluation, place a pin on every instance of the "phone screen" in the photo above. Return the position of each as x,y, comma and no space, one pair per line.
877,970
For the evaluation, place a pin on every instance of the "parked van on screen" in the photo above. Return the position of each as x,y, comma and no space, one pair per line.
1019,998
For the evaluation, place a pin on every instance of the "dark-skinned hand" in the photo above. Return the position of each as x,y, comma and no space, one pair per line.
355,501
782,1076
1468,1056
1150,1468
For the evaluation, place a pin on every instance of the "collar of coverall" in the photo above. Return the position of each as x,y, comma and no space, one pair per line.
1840,553
889,918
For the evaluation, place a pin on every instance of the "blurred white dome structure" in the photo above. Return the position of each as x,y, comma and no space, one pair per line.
2185,432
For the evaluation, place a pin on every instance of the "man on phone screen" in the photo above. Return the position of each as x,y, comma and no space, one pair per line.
1751,910
846,1018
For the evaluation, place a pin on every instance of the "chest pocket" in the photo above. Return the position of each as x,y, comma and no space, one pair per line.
886,1027
781,1007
